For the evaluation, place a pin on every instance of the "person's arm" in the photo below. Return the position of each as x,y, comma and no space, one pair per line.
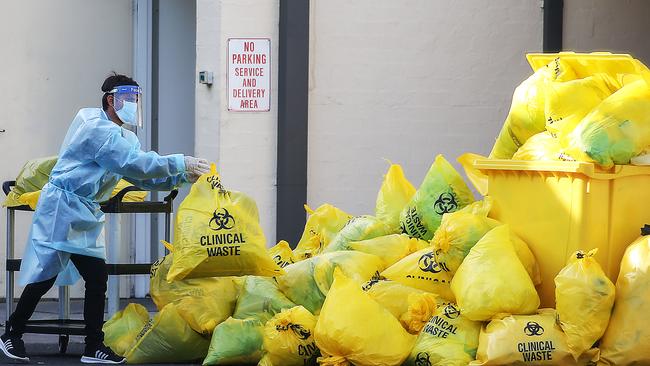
119,156
158,184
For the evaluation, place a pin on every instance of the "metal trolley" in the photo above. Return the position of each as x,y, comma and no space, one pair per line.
64,326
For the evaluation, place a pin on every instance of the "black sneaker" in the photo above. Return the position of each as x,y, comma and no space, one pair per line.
101,354
14,348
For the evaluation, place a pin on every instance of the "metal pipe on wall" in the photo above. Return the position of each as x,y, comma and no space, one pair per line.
293,106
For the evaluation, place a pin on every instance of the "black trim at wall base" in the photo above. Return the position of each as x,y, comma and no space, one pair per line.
293,98
553,23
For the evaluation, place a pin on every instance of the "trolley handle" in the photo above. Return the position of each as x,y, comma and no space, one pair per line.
116,205
6,186
170,197
120,195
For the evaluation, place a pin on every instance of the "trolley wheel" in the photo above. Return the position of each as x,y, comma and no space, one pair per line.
63,343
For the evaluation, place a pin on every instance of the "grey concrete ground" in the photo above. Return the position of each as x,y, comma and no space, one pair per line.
44,349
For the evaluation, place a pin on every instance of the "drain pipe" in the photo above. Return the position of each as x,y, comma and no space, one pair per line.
553,21
293,99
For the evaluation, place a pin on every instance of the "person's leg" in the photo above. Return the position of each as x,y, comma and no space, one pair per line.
11,343
30,297
93,271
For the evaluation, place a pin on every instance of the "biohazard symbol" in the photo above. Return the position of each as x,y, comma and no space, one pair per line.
297,329
368,285
445,203
422,359
403,228
215,182
221,219
451,312
533,329
428,263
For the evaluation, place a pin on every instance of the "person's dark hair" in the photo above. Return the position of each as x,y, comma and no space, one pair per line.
112,82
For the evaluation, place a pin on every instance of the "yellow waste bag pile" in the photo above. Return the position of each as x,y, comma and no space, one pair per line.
584,107
428,278
357,290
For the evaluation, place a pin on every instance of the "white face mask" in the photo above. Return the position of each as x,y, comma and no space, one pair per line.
128,113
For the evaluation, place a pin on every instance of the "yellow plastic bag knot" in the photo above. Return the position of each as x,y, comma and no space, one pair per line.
422,306
333,361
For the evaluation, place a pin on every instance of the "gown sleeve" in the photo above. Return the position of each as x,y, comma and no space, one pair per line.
120,156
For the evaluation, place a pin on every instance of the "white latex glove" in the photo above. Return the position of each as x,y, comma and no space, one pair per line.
195,168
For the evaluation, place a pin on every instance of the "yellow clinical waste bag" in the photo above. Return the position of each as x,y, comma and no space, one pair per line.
218,233
527,111
541,147
353,329
163,292
421,270
204,313
31,178
260,298
459,231
322,226
448,339
442,191
31,198
492,279
413,307
390,248
616,130
584,297
236,342
122,329
167,338
395,192
307,282
569,101
526,340
358,228
289,339
282,254
627,337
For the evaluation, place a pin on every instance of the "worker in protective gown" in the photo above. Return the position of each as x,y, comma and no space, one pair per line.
66,241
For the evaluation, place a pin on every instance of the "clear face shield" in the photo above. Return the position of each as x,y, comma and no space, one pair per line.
127,103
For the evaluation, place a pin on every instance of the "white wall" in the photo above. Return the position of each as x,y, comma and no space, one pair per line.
406,80
244,145
55,55
608,25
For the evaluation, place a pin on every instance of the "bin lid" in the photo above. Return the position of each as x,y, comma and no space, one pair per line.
590,170
586,64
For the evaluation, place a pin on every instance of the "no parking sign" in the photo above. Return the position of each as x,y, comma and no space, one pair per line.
249,74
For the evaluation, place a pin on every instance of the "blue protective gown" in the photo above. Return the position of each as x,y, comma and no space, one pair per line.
95,155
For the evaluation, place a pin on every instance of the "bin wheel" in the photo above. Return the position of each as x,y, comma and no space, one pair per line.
63,343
